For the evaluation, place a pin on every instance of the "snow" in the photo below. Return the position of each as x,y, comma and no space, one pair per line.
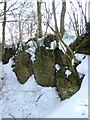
27,100
57,66
53,45
40,41
83,67
32,49
68,38
72,61
31,100
67,73
77,105
62,47
79,57
0,75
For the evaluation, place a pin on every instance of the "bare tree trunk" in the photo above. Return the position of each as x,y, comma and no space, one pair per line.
59,37
31,28
12,40
3,27
88,10
20,35
11,33
54,13
55,19
39,15
20,31
62,18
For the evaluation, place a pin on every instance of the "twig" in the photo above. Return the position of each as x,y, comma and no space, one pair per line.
39,97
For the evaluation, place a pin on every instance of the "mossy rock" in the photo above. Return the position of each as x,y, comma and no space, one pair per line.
67,86
8,53
82,44
44,67
48,39
61,58
23,67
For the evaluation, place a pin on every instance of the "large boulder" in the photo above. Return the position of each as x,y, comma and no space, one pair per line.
23,67
45,70
84,46
82,43
8,53
48,75
44,67
67,84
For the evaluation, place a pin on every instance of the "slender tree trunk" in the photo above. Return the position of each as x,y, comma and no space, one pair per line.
31,28
3,27
54,13
39,18
88,10
12,41
11,33
20,34
55,19
59,37
20,31
62,18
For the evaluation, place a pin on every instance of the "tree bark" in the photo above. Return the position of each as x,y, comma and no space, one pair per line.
62,18
3,27
39,15
55,19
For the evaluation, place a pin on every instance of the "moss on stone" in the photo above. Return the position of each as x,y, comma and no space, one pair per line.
23,66
44,67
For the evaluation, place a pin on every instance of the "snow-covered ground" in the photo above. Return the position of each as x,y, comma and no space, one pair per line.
33,101
28,100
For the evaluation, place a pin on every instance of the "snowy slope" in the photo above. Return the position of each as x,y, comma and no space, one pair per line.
33,101
28,100
77,105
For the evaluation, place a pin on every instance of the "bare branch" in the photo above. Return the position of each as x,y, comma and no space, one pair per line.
9,21
8,10
11,6
82,11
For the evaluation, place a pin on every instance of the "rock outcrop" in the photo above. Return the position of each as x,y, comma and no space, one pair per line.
44,67
9,52
45,71
23,67
82,43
